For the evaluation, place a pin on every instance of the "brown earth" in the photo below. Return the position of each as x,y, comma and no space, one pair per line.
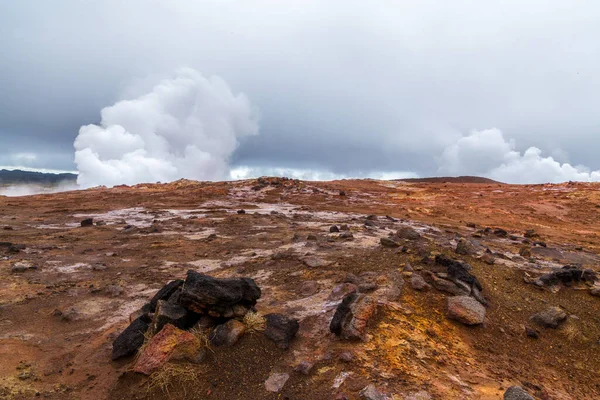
57,322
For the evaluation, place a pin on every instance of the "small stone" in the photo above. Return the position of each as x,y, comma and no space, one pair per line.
311,237
549,318
228,333
241,211
421,395
315,262
309,288
276,382
334,229
387,242
346,356
281,329
595,291
371,393
113,290
304,367
408,233
525,251
342,290
352,316
344,227
466,310
21,266
465,248
488,259
346,236
532,333
517,393
87,222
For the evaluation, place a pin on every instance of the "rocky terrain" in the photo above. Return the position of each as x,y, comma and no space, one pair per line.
283,289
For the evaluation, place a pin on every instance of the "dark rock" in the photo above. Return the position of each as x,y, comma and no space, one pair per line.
346,356
595,291
227,334
281,329
458,271
131,339
218,297
304,367
344,227
488,259
165,293
500,232
167,313
525,251
407,233
567,275
530,233
311,237
370,224
541,244
352,316
342,193
532,333
87,222
517,393
550,318
371,217
466,310
241,211
346,236
387,242
334,229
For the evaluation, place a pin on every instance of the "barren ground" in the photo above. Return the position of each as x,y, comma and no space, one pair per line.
412,346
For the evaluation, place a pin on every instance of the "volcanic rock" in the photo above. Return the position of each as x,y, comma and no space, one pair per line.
466,310
218,297
170,344
167,313
165,293
418,283
352,316
87,222
281,329
276,381
131,339
517,393
371,393
465,247
551,317
228,334
407,233
334,229
387,242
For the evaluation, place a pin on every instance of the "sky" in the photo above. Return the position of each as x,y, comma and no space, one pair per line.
157,90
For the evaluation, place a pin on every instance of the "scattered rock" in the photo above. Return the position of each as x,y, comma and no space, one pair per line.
311,237
551,317
387,242
315,262
227,298
347,236
304,367
170,344
276,382
241,211
113,290
87,222
466,310
346,356
344,227
371,393
342,290
418,283
334,229
525,251
458,271
464,247
228,334
532,333
352,316
531,233
517,393
281,329
408,233
22,266
421,395
500,232
595,291
487,258
567,275
309,288
446,286
131,339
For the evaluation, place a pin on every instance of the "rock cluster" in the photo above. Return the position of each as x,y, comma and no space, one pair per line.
214,307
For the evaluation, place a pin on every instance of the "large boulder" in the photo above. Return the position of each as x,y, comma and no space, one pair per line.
517,393
227,334
165,293
218,297
551,317
466,310
131,339
170,344
352,316
281,329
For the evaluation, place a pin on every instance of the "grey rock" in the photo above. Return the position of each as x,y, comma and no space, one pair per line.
466,310
408,233
352,316
517,393
281,329
371,393
418,283
551,317
228,334
131,339
387,242
276,381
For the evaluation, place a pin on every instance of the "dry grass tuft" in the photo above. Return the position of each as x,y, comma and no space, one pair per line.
571,332
165,379
254,322
202,336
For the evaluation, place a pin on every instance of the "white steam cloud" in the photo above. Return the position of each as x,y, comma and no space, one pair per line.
186,127
488,153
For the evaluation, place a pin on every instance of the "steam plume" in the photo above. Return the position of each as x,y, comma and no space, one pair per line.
186,127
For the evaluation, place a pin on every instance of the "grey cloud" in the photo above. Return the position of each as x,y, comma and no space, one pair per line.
341,86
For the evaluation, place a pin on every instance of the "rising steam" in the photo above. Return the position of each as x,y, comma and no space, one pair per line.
186,127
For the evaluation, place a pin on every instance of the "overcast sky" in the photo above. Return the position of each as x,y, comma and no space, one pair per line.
342,88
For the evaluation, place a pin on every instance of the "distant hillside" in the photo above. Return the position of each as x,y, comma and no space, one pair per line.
16,177
450,179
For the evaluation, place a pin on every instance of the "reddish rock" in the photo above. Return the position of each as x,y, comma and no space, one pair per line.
169,344
352,316
466,310
228,333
